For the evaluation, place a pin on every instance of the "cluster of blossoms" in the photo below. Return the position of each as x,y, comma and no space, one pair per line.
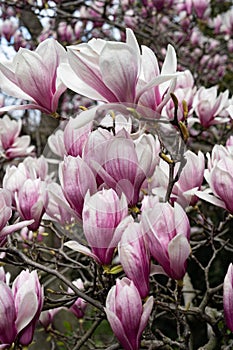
194,27
124,175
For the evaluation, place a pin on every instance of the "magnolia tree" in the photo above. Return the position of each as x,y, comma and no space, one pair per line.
117,234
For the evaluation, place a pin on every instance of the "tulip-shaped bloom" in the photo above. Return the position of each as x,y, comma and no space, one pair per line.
8,29
5,215
168,231
58,208
20,308
200,7
76,179
119,163
228,297
220,179
11,145
208,106
125,313
46,317
8,331
28,298
155,96
102,213
32,76
190,179
218,152
110,71
31,201
79,306
135,256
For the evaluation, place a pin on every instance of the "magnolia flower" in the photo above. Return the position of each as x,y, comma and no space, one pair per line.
200,7
220,180
168,231
119,163
26,287
134,256
5,215
76,179
112,71
208,106
125,313
32,76
72,140
58,209
190,179
31,201
46,317
11,145
21,307
79,306
102,213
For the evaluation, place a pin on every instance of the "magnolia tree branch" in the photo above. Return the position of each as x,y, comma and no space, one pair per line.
28,262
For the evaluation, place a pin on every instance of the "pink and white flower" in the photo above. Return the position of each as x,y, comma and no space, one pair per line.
32,76
126,314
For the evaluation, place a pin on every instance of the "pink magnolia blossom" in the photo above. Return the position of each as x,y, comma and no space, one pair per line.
200,7
220,180
154,93
228,297
5,215
8,330
58,208
31,201
8,28
11,144
190,180
76,179
32,76
21,307
218,152
27,287
208,106
119,162
168,231
125,313
77,131
102,212
111,71
56,143
72,139
134,256
79,306
46,317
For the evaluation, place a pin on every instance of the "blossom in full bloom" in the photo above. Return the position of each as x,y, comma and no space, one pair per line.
11,144
116,71
32,76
